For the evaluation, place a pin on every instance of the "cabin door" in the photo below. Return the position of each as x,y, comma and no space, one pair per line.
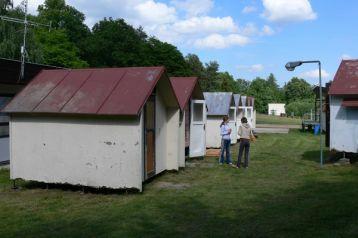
232,125
149,138
197,144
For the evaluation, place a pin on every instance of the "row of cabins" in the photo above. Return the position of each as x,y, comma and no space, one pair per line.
112,128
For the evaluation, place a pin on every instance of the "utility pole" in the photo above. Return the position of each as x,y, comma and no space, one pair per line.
26,23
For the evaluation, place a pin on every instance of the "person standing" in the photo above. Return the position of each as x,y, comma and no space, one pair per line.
245,133
225,132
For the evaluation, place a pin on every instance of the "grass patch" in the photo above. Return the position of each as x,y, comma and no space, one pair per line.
284,193
267,119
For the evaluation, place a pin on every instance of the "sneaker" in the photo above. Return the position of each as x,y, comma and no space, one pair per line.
230,163
220,163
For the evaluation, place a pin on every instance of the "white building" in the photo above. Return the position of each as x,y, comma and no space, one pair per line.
111,128
245,108
219,104
276,109
344,108
193,118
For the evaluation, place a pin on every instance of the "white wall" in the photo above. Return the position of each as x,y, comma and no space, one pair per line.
213,137
173,139
277,107
181,159
78,151
344,127
167,137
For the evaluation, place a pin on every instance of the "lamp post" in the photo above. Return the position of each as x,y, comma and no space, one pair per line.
290,66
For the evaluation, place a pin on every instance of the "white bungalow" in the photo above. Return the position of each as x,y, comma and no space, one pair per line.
219,104
111,128
344,108
245,108
193,117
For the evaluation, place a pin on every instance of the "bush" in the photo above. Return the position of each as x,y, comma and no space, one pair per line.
299,108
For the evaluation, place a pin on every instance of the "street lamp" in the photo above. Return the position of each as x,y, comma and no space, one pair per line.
290,66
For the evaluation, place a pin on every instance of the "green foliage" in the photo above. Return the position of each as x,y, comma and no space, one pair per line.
5,5
242,86
298,89
58,50
67,18
299,108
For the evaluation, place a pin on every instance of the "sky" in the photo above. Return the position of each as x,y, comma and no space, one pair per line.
248,38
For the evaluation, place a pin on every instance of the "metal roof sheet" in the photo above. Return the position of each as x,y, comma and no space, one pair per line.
110,91
237,99
345,81
218,103
350,103
184,89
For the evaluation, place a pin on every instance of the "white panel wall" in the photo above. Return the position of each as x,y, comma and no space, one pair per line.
213,137
173,141
167,137
344,127
160,135
181,159
89,152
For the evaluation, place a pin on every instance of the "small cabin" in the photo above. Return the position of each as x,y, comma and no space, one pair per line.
343,102
112,128
219,104
193,117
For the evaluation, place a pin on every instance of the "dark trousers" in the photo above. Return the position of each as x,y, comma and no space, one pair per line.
244,145
225,147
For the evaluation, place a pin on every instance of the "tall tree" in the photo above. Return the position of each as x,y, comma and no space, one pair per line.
242,86
211,77
67,18
5,5
298,89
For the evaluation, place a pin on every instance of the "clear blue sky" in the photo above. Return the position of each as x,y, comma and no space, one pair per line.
248,38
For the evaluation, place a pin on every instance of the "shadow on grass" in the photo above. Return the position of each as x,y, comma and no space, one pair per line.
315,209
314,156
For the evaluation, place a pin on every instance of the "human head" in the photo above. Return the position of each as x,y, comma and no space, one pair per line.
244,120
225,118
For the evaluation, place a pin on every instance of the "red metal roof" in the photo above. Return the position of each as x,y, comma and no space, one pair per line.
350,103
345,81
110,91
184,89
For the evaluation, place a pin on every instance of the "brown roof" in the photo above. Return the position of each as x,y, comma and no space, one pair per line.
185,88
110,91
345,81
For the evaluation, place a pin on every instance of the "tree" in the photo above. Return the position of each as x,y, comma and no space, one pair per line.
211,77
162,53
242,86
115,43
297,89
58,50
67,18
299,108
5,5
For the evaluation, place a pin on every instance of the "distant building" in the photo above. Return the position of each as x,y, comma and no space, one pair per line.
343,101
276,109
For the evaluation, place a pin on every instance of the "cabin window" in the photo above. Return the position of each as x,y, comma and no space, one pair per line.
198,112
232,114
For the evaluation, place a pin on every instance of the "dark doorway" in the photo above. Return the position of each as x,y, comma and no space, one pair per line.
149,137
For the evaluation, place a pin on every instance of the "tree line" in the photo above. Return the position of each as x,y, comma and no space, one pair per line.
114,43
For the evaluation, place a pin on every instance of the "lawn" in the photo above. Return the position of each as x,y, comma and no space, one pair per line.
284,193
267,119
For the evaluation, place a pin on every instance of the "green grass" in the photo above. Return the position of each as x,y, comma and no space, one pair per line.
284,193
266,119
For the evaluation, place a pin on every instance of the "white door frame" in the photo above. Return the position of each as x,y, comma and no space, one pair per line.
193,123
